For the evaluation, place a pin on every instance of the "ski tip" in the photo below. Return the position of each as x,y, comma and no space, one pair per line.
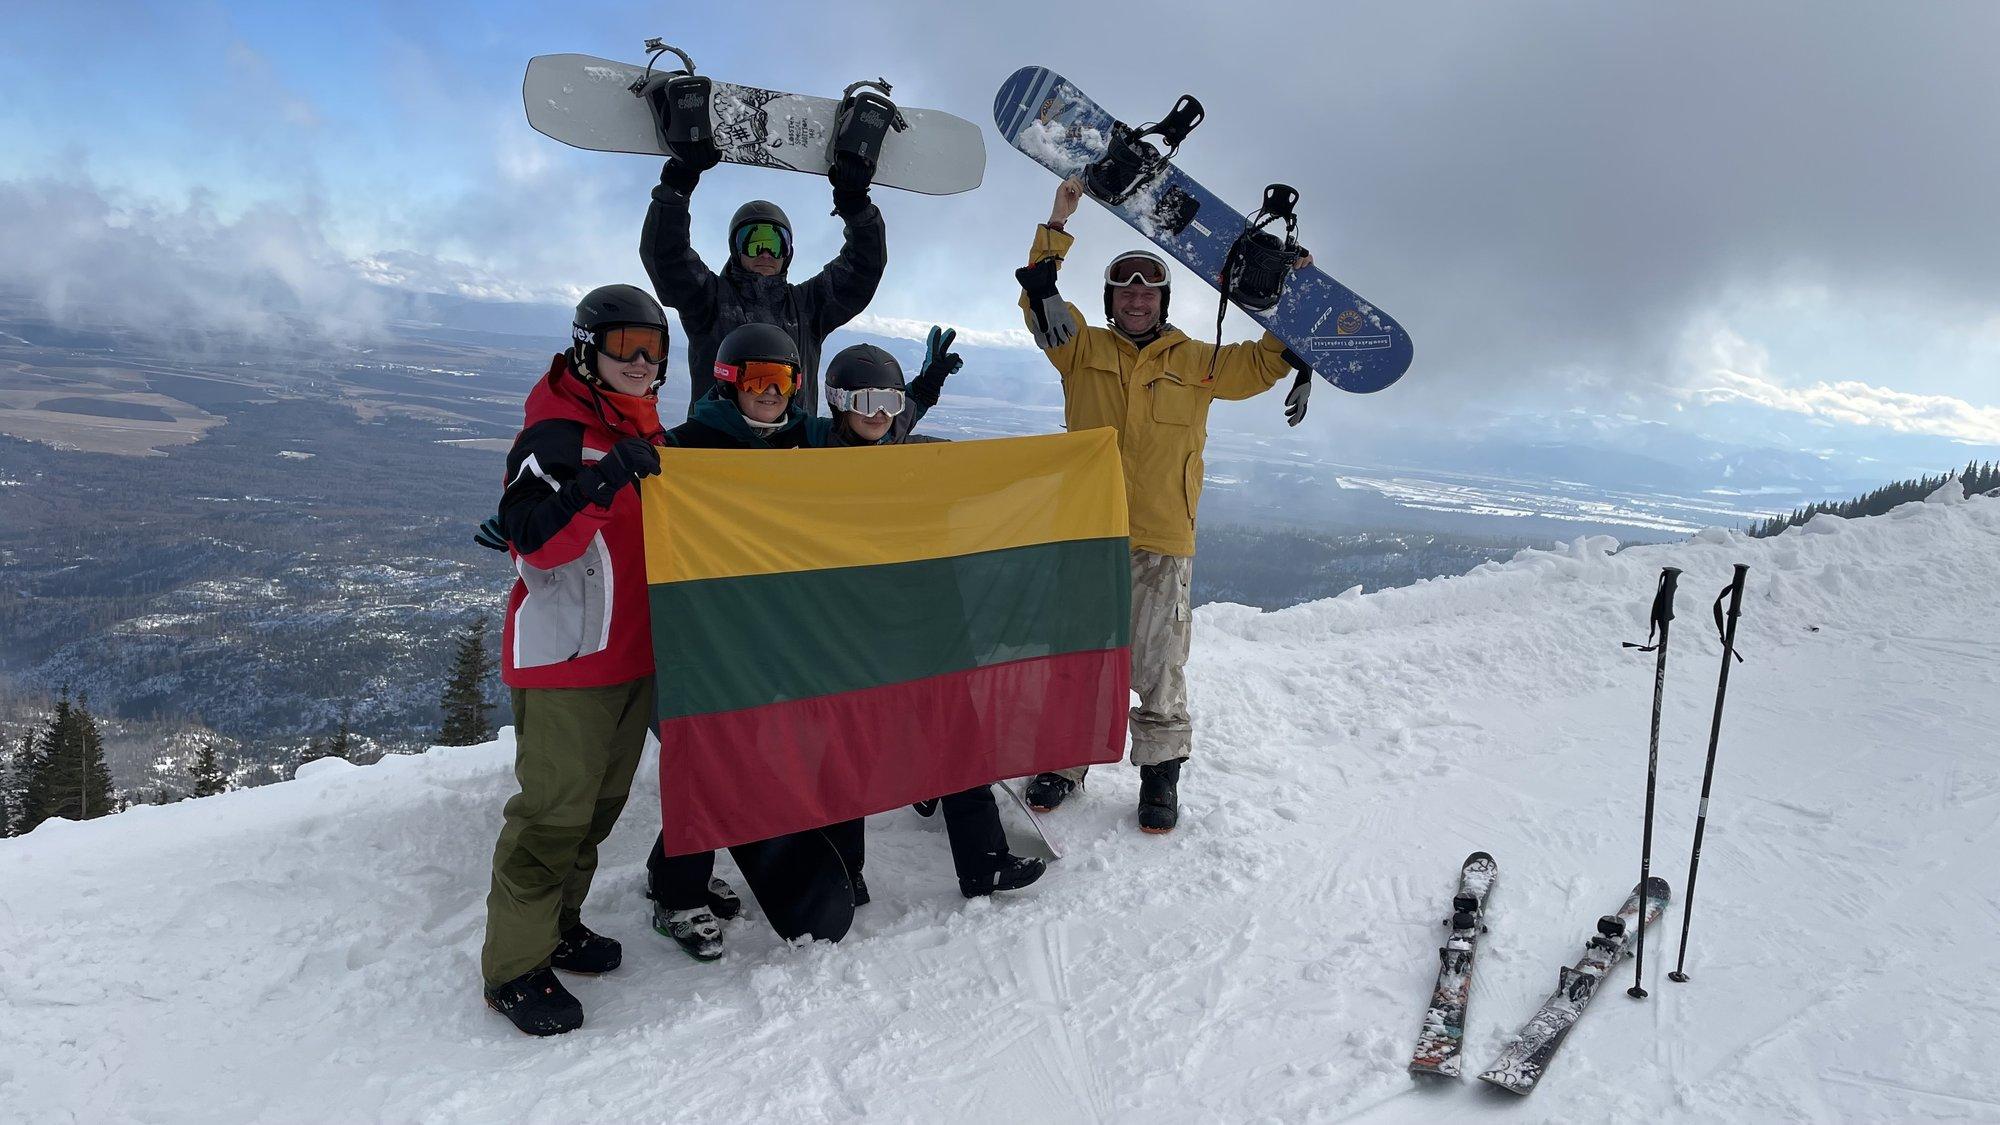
1475,857
1657,887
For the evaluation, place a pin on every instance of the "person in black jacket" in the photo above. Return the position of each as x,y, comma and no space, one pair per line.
753,287
865,389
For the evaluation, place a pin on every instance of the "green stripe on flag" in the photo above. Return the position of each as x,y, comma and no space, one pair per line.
803,634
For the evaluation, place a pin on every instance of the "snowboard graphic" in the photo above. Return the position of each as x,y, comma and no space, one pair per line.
1351,343
589,103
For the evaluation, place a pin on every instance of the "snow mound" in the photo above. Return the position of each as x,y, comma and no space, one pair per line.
308,951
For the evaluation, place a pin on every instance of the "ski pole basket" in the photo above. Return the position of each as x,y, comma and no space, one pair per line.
1130,161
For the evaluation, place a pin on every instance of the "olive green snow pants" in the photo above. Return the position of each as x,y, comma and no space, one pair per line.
1162,626
575,750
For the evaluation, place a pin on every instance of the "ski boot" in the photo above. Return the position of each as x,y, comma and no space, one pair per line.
537,1003
860,889
722,899
1159,796
582,951
1049,790
697,930
1010,873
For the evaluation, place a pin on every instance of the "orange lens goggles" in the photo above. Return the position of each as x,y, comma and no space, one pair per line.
632,341
756,376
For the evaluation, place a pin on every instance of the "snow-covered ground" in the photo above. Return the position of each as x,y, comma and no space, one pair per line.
306,951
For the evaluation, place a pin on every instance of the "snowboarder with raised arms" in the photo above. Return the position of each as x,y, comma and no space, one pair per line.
1154,384
753,287
577,650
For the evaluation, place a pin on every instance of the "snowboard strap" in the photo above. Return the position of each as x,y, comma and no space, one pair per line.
863,121
1129,161
679,101
1254,271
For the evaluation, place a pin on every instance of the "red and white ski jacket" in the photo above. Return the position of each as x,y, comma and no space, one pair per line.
578,614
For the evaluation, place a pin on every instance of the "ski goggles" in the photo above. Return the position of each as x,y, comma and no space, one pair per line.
867,401
1136,268
628,343
753,239
756,376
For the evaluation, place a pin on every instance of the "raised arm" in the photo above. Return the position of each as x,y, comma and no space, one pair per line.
681,279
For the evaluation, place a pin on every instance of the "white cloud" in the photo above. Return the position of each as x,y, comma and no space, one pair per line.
1739,371
102,260
903,328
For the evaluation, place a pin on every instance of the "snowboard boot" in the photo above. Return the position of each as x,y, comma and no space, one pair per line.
1049,790
860,889
537,1003
1159,796
582,951
1010,873
697,930
722,899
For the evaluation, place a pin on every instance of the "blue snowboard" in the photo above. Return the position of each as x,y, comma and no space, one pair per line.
1351,343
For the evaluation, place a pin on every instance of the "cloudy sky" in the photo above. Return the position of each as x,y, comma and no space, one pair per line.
1652,208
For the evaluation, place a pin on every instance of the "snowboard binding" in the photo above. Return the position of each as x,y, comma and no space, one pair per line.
679,101
1130,162
1258,262
865,119
1254,273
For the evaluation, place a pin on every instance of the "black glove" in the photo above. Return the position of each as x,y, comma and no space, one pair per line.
629,460
939,360
1054,326
1302,389
850,177
491,535
682,175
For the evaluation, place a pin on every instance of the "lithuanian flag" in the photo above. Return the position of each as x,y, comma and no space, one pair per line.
837,632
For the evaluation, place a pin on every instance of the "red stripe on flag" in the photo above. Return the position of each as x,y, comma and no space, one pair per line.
736,776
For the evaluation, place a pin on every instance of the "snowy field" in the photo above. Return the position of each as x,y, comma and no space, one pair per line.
307,951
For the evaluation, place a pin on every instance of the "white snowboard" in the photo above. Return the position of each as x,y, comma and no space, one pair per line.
587,102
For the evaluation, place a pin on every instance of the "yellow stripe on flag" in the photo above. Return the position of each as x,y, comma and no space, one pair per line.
737,512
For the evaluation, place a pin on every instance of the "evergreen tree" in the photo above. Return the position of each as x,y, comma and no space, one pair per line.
464,702
14,783
68,777
341,745
208,776
6,792
1974,477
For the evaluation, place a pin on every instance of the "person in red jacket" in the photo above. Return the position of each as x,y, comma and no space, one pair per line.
577,650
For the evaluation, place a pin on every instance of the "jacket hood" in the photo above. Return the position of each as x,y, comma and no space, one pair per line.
562,393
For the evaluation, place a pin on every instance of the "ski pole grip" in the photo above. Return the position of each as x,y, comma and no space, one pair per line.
1663,602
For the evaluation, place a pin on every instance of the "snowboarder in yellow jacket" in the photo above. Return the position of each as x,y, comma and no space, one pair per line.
1149,381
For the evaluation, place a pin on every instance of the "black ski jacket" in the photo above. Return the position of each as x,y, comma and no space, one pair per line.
710,306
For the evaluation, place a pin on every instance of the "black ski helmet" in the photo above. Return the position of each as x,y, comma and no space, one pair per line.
612,306
746,342
760,211
864,367
1166,290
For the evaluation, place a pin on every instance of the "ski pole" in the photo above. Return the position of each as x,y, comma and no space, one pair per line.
1662,617
1727,630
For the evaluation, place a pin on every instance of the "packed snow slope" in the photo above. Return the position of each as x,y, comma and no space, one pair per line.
307,951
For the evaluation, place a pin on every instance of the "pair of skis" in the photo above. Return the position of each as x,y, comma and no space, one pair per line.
1526,1057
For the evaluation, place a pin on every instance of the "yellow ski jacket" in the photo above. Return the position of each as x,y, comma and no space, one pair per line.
1157,398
